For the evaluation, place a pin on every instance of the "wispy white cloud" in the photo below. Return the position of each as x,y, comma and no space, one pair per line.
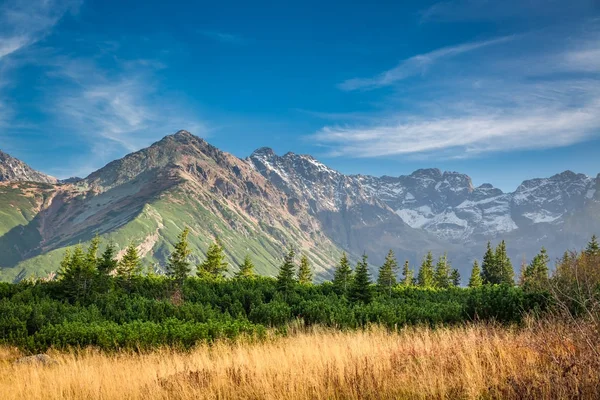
526,97
115,112
468,135
24,22
417,65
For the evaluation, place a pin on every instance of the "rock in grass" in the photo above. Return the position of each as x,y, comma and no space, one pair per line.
38,359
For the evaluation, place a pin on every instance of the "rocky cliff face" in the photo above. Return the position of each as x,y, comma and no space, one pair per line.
443,209
13,170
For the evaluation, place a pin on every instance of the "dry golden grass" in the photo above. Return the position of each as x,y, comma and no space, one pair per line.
475,361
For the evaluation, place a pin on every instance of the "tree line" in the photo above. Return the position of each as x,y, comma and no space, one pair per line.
104,299
85,271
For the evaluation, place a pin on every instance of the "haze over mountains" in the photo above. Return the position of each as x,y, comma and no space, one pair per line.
263,203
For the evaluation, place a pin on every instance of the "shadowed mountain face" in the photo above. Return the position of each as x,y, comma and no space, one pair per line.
266,202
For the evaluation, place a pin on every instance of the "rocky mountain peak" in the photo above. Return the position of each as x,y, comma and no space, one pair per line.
431,173
12,170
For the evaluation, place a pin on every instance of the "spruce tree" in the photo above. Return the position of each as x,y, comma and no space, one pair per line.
425,278
593,249
64,265
442,273
342,276
77,274
506,273
455,278
535,275
387,273
489,267
107,263
214,266
246,270
475,280
360,290
305,274
287,272
91,258
130,264
407,275
178,266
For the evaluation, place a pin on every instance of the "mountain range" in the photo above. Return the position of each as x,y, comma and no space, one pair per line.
266,202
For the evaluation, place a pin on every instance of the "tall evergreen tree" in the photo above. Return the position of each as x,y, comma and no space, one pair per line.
387,273
107,263
407,274
360,290
246,270
342,276
130,264
65,264
475,280
535,275
455,278
489,267
442,273
286,277
426,278
593,249
91,258
506,273
305,274
178,266
77,274
214,266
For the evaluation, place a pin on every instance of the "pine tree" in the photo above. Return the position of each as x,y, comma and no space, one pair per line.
489,267
77,274
535,275
342,276
442,273
475,280
425,277
178,266
360,290
455,278
107,263
287,271
130,264
65,264
215,265
506,273
246,270
91,258
387,273
407,275
593,249
305,274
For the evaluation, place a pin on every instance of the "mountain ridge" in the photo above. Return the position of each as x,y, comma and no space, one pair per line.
265,202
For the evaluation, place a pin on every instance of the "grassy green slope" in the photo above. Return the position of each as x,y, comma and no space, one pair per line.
155,229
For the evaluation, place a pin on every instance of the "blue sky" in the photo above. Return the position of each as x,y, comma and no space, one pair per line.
502,91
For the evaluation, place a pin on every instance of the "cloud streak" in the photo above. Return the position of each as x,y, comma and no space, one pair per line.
24,22
521,99
114,111
417,65
467,136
